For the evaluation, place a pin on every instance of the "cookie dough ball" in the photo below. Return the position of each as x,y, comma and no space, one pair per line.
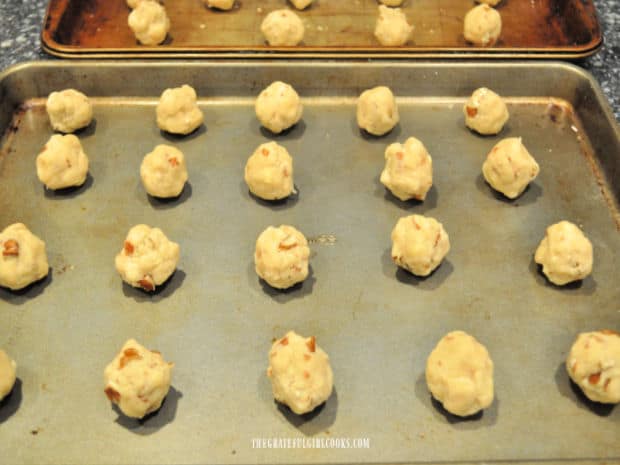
282,28
149,23
269,172
485,112
565,254
301,4
300,373
23,260
69,110
392,2
281,256
377,112
392,28
593,363
459,374
482,25
62,162
509,167
163,172
220,4
419,244
177,110
278,107
148,257
408,171
7,374
137,380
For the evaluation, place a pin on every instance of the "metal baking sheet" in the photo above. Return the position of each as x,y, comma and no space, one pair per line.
532,29
216,320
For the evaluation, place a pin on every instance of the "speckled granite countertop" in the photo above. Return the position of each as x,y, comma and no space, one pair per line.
21,20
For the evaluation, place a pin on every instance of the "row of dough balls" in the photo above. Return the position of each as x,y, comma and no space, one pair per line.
459,373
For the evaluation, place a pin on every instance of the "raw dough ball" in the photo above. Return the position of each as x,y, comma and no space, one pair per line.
565,253
69,110
392,29
392,2
281,256
419,244
220,4
7,374
485,112
593,363
300,374
509,167
148,258
177,111
459,374
482,25
377,112
149,22
163,172
62,162
278,107
23,260
282,28
137,380
408,171
301,4
489,2
269,172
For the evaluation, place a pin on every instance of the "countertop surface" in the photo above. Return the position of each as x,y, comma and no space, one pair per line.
21,20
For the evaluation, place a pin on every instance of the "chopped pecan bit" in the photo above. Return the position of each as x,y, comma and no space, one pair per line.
173,161
471,111
307,357
417,226
284,341
610,332
400,155
437,239
594,379
285,173
129,355
306,374
265,152
68,163
288,243
11,248
128,248
147,284
606,384
112,394
311,344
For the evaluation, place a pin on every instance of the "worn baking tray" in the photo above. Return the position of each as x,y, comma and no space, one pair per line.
532,29
216,320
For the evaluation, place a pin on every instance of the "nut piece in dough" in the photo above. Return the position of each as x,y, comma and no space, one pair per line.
177,110
69,110
137,380
459,374
419,244
482,25
509,167
148,258
149,23
281,256
392,2
62,162
593,363
269,172
282,28
485,112
278,107
301,4
408,171
22,257
220,4
163,172
300,373
392,28
377,112
565,253
7,374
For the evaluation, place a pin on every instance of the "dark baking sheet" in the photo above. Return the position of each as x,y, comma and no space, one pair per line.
216,321
531,28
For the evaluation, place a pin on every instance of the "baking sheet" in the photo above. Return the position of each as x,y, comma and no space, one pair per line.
215,319
533,29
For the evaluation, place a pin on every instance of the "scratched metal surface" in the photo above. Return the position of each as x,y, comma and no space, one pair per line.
216,321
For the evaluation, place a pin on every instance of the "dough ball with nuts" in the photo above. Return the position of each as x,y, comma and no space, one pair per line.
282,28
269,172
62,163
23,260
377,112
459,374
408,171
392,28
419,244
69,110
149,23
482,25
7,374
148,258
137,380
565,254
300,373
593,363
509,167
220,4
301,4
485,112
278,107
177,111
163,172
281,256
